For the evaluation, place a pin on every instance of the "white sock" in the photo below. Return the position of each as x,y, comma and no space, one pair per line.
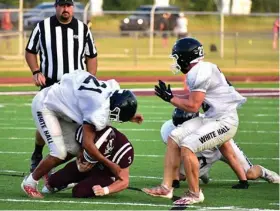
31,180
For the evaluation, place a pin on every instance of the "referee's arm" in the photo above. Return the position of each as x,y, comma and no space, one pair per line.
31,51
91,54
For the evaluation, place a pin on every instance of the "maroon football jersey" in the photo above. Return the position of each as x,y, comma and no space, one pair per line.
112,144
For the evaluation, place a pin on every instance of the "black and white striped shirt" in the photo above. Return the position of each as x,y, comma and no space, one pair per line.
62,47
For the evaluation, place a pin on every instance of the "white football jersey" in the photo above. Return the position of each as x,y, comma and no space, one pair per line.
220,96
80,97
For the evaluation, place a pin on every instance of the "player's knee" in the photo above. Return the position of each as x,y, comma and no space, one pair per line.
79,191
60,154
253,173
58,149
186,153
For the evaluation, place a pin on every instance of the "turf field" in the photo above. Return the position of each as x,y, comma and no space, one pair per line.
258,136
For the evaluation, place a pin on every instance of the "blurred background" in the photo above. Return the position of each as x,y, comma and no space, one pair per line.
236,34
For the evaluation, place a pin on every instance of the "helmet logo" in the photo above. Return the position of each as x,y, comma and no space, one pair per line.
200,51
175,67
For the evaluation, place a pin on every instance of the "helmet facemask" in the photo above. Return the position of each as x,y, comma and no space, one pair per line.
114,115
175,67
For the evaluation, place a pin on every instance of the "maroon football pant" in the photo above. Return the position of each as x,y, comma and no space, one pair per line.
70,174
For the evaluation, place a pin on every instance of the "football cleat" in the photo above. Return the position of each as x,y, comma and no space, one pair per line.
159,191
190,198
35,160
270,176
30,188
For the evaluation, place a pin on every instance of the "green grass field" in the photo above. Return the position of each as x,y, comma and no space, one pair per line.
258,136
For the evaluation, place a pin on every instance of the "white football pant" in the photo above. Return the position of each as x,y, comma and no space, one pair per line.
207,157
57,133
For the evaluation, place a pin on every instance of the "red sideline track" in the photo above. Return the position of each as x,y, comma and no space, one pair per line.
26,80
179,91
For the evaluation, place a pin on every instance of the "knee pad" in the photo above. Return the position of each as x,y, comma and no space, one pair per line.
58,148
166,129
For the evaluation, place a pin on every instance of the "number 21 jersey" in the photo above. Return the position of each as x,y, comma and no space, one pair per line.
80,97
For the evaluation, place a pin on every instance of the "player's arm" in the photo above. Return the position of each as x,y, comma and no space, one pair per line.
115,187
192,104
88,144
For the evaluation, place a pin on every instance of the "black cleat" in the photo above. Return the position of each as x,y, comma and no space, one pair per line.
243,184
176,184
35,160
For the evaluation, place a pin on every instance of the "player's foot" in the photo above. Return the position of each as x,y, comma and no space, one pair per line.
243,184
190,198
35,160
30,188
176,184
205,178
47,188
270,176
159,191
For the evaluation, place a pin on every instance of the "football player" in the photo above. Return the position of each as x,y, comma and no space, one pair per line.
78,99
208,157
92,177
209,89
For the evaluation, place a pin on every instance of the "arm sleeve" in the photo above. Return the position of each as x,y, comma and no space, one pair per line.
90,49
33,42
94,112
202,79
125,155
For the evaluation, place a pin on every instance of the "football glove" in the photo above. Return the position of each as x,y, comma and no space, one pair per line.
163,91
243,184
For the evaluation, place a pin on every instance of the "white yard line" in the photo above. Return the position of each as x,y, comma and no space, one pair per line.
154,140
138,155
105,203
144,130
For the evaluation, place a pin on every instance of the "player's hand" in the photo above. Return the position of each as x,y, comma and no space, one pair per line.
137,118
163,91
83,166
39,79
98,190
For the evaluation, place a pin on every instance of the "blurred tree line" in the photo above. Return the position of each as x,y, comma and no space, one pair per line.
185,5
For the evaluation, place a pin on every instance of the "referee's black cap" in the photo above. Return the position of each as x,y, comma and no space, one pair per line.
62,2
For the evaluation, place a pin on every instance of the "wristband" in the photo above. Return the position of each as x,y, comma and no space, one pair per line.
36,72
106,190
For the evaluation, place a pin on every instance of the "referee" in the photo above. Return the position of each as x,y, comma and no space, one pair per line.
64,44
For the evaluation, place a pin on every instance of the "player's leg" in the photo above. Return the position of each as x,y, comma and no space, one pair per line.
258,171
190,160
95,177
253,172
172,159
48,125
165,131
228,152
65,176
210,134
37,154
